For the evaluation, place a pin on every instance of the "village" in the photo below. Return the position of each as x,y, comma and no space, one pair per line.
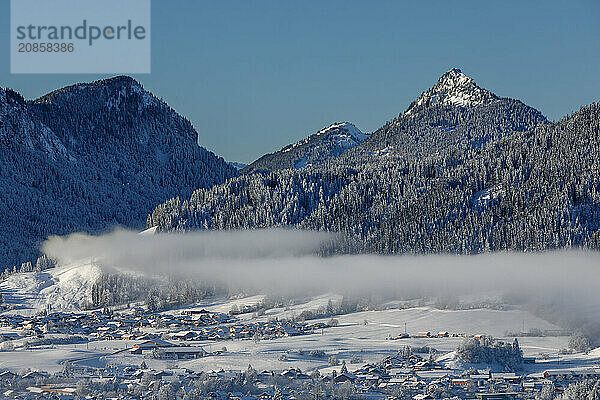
188,325
129,370
406,376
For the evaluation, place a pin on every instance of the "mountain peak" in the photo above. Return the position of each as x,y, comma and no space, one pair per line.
316,149
453,79
453,88
113,85
345,128
120,80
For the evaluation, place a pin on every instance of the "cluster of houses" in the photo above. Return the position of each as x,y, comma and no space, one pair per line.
109,326
419,378
172,337
189,325
425,334
267,329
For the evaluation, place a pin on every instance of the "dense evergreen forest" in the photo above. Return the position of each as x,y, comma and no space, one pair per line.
450,175
91,157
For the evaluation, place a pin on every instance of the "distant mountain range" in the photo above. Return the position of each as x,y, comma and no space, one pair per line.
237,165
90,157
460,171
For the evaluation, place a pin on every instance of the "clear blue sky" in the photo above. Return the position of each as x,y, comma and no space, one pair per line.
253,76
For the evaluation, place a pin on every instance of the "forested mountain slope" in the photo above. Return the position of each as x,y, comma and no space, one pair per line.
455,114
89,157
528,185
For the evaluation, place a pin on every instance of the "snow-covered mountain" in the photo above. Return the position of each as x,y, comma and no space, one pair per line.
454,114
89,157
445,178
316,149
453,88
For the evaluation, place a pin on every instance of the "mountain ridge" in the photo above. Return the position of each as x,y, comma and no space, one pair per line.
327,143
92,156
446,179
436,121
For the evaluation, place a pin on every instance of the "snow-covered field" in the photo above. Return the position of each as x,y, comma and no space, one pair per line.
368,342
359,337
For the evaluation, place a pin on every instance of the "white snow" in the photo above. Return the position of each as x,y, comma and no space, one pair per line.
149,231
352,338
348,128
454,88
363,335
385,152
62,288
483,197
344,133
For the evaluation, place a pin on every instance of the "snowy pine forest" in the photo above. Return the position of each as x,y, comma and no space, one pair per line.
460,171
89,157
442,178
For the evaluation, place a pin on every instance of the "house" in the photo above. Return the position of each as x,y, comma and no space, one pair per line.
195,312
423,334
289,331
461,382
184,335
506,377
34,375
443,334
345,377
162,375
60,391
181,353
480,379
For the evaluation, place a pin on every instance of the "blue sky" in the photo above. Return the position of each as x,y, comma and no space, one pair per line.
253,76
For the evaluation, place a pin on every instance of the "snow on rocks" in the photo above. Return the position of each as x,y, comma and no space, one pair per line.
453,88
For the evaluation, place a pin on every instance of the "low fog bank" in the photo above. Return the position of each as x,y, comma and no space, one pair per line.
560,285
163,252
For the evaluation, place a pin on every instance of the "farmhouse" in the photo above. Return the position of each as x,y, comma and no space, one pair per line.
565,374
180,353
152,344
195,312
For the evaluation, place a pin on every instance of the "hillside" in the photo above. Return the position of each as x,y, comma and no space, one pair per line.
505,179
454,115
90,157
61,288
